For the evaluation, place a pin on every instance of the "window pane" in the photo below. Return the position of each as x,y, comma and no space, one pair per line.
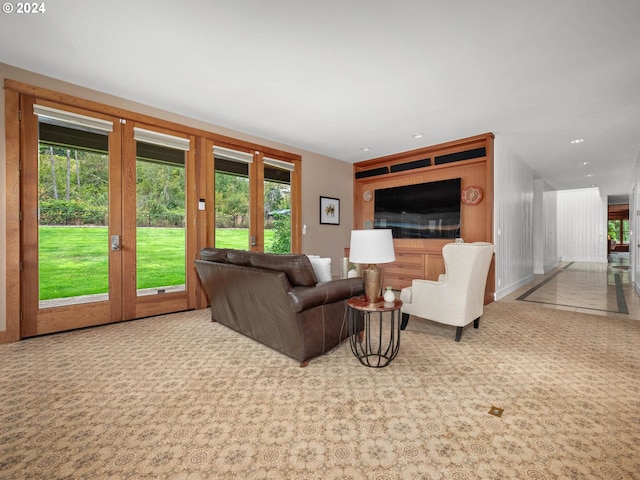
277,210
73,215
625,231
232,205
160,219
614,230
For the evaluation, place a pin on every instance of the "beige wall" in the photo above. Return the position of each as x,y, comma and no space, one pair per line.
335,180
320,175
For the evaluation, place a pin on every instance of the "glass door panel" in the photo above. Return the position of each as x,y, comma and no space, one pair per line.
232,198
160,219
277,210
73,216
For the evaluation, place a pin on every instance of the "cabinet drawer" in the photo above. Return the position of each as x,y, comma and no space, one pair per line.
416,271
397,282
409,258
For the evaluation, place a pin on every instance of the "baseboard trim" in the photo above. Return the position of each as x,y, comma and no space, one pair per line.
513,287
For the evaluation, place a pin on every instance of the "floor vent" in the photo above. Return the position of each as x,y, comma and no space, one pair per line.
496,412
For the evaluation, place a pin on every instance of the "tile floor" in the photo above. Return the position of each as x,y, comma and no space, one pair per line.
595,288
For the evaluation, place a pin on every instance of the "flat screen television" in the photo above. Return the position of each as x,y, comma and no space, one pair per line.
424,210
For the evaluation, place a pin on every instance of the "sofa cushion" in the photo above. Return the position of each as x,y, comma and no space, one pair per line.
240,257
211,254
297,267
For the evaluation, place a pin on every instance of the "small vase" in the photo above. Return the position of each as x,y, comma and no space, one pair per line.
389,296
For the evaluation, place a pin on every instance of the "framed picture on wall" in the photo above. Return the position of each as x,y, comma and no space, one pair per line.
329,211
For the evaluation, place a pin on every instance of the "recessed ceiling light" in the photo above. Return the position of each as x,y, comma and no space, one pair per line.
584,164
417,135
577,140
365,149
589,175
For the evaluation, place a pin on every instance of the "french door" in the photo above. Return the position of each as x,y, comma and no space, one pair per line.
256,201
108,229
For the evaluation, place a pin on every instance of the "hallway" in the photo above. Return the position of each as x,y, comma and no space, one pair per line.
594,288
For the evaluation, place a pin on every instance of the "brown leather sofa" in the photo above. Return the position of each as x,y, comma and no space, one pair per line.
277,300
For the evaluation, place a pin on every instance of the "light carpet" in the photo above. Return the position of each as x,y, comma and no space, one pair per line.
179,397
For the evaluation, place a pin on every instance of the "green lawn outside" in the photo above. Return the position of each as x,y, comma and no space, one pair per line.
74,260
238,238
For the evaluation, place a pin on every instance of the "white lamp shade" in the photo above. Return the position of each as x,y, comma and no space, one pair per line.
371,246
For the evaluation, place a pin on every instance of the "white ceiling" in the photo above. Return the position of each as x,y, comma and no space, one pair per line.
334,76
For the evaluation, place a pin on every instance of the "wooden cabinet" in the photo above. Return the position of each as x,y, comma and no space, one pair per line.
408,265
471,160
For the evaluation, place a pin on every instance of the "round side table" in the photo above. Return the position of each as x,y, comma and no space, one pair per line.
375,342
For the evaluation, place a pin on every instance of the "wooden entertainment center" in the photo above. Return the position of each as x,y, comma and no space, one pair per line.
471,160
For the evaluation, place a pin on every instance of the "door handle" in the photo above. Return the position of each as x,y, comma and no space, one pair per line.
115,242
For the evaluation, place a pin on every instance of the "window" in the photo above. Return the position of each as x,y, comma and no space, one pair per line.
257,201
232,220
619,231
277,206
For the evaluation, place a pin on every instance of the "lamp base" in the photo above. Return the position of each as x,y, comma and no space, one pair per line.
372,276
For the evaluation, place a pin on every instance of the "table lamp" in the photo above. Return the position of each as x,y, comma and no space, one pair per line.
370,247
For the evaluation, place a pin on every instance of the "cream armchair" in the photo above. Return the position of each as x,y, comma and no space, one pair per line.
457,298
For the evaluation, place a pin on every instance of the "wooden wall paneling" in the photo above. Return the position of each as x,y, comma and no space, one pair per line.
29,280
476,220
12,198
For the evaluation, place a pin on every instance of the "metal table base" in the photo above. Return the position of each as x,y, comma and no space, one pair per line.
374,341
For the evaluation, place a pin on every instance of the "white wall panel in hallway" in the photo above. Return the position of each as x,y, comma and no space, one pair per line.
545,225
513,220
582,225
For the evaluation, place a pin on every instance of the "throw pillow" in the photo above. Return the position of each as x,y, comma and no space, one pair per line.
321,267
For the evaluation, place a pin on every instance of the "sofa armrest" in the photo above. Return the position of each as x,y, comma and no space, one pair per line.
304,298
